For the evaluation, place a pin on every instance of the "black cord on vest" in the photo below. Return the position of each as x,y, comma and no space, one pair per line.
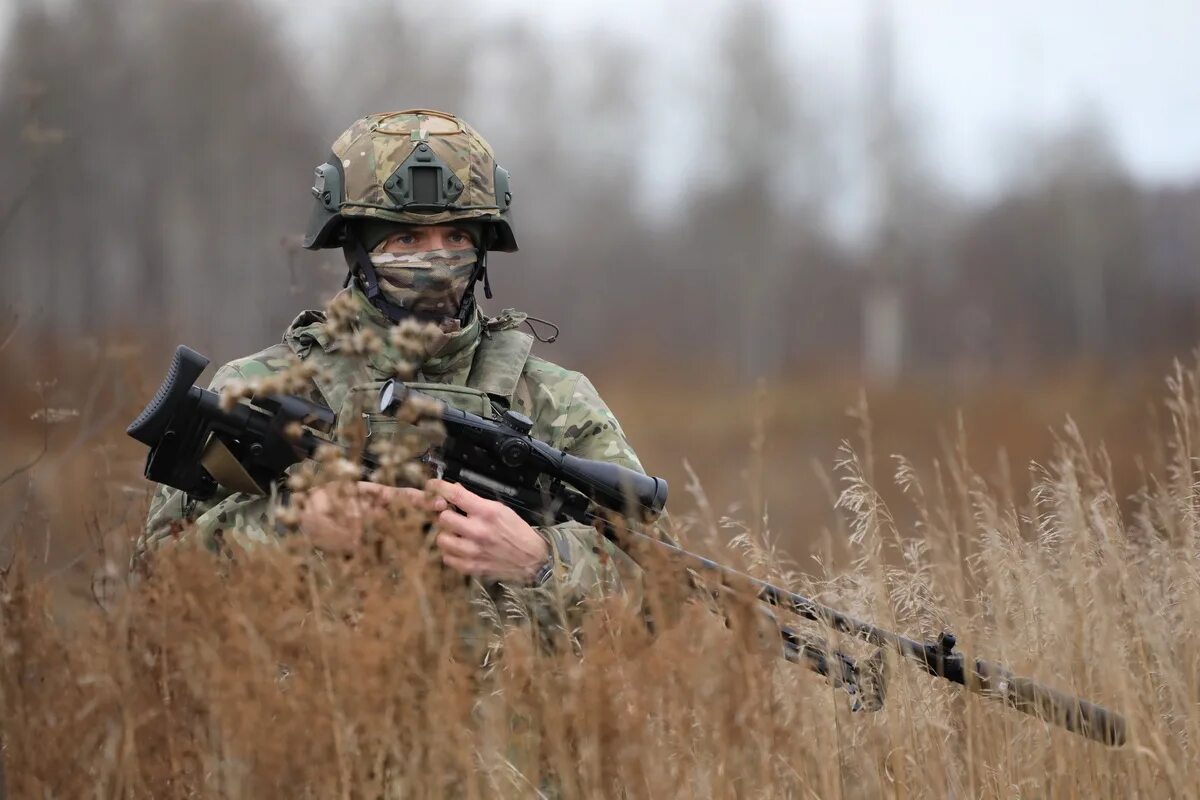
553,337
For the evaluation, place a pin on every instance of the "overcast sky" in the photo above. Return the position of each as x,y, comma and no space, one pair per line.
973,75
974,71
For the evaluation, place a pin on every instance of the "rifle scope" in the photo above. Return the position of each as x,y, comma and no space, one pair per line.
196,443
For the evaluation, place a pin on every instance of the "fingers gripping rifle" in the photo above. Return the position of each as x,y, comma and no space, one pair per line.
196,443
193,438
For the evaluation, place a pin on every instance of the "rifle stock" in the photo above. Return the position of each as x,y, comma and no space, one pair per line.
497,458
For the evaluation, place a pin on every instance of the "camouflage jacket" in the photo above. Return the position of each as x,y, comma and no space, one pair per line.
488,360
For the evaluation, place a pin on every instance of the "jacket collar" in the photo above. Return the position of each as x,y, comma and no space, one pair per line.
451,353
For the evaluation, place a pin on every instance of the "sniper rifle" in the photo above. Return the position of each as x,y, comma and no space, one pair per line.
196,443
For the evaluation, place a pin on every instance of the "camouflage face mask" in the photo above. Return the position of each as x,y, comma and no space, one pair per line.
433,282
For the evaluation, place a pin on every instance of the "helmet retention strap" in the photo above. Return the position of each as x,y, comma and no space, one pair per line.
467,307
359,261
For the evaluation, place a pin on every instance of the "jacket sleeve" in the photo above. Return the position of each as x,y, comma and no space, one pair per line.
226,518
586,563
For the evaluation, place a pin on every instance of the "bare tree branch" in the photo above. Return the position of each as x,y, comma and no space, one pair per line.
8,337
36,459
14,207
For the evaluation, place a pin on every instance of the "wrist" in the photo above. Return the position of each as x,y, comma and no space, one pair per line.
541,576
542,571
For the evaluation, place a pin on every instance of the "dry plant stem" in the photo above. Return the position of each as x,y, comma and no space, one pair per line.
176,689
335,709
41,453
12,332
14,207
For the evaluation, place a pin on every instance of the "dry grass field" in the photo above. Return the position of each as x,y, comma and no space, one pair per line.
278,674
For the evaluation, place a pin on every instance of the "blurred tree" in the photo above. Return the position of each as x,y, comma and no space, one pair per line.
884,312
159,152
1057,262
520,99
386,55
1171,257
185,139
763,199
564,120
609,242
906,260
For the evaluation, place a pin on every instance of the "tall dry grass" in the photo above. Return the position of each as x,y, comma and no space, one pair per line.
277,674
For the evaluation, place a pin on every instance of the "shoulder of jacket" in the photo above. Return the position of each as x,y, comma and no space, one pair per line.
306,319
307,329
265,362
549,377
506,320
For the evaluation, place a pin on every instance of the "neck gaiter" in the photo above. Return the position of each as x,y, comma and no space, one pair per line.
432,282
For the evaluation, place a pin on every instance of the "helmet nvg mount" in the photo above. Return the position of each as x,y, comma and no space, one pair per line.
419,167
416,167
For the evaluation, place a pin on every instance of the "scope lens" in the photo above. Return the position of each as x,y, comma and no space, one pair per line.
386,395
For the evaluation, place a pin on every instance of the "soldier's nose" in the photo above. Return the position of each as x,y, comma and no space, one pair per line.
437,240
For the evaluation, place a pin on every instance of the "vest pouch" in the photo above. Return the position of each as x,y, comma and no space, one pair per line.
362,403
464,398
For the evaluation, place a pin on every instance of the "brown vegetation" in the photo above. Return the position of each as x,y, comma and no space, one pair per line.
162,195
280,675
209,118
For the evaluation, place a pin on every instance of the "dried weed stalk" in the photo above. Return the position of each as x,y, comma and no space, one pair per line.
281,674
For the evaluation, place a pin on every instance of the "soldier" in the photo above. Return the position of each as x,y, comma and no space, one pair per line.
416,201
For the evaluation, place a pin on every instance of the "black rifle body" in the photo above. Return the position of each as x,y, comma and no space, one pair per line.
498,459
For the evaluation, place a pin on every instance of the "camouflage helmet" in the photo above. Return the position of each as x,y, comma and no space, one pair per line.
417,166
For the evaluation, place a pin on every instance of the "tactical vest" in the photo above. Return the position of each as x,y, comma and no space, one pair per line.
348,387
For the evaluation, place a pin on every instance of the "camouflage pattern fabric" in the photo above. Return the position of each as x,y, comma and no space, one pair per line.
488,358
376,145
432,282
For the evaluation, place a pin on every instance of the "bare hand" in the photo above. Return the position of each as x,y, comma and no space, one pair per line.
336,515
483,537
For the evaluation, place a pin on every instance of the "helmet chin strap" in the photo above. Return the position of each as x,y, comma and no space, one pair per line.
466,306
362,272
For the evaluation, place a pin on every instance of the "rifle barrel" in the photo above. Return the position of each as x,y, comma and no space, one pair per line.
939,659
177,422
